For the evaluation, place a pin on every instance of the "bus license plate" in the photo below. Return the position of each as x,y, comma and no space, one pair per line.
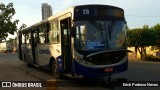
108,69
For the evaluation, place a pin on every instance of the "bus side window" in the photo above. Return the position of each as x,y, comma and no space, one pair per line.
41,39
54,32
23,39
43,34
27,37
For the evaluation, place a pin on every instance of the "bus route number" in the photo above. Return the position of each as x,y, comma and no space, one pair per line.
85,11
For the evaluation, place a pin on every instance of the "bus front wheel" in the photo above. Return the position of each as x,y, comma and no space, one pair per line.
54,70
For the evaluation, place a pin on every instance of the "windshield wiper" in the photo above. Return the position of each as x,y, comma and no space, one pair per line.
111,27
95,24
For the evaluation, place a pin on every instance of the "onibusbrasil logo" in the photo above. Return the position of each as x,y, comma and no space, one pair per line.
22,84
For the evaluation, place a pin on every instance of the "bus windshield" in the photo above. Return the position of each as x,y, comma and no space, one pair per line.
93,35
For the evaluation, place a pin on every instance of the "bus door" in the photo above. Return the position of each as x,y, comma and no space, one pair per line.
34,41
66,44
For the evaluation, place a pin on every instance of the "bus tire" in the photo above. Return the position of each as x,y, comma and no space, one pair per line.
54,70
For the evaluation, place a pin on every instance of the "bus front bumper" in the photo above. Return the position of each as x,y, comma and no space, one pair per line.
92,72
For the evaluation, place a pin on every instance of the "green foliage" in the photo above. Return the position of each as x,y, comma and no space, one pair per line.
6,23
142,37
132,36
156,29
23,26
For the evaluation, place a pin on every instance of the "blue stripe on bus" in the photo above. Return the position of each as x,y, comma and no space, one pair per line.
60,61
87,71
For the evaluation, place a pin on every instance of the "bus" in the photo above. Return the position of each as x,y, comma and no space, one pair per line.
86,41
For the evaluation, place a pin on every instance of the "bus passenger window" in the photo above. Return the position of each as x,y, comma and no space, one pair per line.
43,34
41,38
28,37
54,32
54,37
23,39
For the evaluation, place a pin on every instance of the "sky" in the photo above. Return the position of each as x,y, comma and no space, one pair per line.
137,12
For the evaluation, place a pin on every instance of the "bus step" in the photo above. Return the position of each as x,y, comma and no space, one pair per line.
69,75
36,65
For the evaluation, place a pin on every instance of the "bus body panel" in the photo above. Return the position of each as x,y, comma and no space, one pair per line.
45,52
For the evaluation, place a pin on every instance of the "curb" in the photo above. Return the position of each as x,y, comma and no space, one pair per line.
51,84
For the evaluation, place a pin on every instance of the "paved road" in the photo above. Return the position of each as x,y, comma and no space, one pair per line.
141,71
13,69
10,71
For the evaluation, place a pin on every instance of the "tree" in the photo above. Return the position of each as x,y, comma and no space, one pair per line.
22,27
156,29
6,23
140,38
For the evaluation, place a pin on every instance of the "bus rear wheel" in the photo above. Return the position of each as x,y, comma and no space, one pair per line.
54,70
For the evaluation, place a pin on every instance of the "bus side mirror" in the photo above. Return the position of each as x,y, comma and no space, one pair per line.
73,32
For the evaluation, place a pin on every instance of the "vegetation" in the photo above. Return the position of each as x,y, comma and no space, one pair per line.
152,58
7,25
140,38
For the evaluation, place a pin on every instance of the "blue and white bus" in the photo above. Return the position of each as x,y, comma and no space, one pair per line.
83,41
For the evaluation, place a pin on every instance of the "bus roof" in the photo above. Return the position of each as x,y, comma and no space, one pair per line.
49,18
64,12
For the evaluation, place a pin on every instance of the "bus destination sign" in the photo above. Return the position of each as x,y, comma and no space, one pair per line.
98,11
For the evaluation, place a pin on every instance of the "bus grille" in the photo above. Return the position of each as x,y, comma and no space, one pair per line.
107,58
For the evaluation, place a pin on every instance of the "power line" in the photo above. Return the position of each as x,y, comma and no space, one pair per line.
23,3
143,16
30,5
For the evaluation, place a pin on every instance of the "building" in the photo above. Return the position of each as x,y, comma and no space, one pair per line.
46,11
8,46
